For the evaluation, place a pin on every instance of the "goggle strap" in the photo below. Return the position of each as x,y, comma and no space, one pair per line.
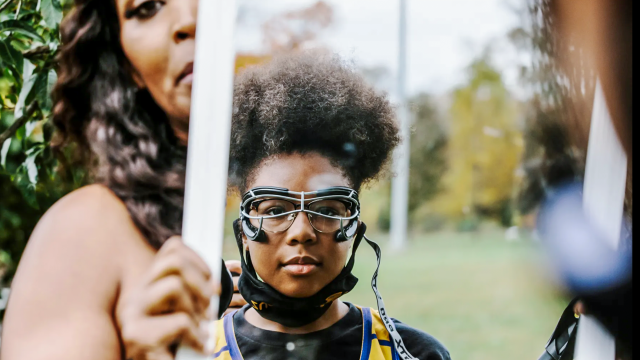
402,351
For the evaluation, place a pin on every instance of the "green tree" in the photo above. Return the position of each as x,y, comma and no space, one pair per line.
428,157
29,180
485,144
428,162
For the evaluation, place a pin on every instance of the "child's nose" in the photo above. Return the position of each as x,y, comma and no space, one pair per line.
301,231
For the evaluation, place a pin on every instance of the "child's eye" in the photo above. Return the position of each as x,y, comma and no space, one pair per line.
327,211
275,211
146,10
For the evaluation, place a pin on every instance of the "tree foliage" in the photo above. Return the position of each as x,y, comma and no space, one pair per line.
292,30
427,164
428,158
485,144
29,180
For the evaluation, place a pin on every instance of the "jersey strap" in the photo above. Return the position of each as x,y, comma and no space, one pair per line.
398,344
375,340
229,348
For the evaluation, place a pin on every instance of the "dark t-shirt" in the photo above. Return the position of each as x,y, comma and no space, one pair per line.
342,340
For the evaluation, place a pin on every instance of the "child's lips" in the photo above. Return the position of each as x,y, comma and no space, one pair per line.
300,269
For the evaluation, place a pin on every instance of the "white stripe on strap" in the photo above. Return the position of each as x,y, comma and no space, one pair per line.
388,323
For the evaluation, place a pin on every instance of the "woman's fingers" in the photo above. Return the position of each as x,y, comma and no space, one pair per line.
169,305
578,308
237,301
169,294
151,337
178,259
235,280
180,327
177,245
234,266
174,246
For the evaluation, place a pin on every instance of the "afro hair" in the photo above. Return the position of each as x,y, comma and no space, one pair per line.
310,102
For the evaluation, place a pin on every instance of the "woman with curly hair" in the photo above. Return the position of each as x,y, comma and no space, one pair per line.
123,96
307,133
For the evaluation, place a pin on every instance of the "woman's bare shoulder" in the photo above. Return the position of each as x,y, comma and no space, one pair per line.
70,273
93,203
86,232
87,215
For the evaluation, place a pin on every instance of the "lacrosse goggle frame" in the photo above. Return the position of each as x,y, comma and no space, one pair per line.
273,210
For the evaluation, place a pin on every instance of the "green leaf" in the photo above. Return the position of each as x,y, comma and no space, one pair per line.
29,80
30,164
28,15
41,90
20,27
11,73
5,258
10,56
27,189
20,133
51,12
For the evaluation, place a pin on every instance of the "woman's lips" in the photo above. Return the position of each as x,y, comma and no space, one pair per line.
187,79
186,76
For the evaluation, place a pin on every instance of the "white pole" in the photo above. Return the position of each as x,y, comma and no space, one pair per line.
400,182
603,196
208,149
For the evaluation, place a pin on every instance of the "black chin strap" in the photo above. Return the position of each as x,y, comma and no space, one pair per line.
388,323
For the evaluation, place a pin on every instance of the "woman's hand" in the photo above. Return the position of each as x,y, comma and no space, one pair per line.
169,305
237,301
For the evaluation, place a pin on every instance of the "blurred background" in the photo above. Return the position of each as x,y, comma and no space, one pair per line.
488,106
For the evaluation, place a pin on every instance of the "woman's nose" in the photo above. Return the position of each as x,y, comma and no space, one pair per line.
187,16
301,231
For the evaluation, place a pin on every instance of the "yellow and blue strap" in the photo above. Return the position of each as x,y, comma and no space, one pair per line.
370,335
230,337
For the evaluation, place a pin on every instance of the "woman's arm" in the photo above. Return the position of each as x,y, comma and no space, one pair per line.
68,281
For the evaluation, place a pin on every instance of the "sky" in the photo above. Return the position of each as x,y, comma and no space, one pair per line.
443,37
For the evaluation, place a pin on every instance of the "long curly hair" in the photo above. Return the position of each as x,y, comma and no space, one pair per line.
310,102
123,136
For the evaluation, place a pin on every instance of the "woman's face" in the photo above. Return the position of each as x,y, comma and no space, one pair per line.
158,38
317,256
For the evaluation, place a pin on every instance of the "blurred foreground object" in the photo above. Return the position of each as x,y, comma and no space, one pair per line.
581,228
208,151
585,245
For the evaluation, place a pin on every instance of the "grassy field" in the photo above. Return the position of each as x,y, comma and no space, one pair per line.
482,297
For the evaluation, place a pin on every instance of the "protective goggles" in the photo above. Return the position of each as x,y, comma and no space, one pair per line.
274,209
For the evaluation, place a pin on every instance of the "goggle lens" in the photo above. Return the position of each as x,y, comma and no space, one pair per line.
278,215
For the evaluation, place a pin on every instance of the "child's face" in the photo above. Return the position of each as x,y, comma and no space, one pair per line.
321,256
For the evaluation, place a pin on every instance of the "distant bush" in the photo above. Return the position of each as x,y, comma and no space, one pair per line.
384,219
468,224
431,223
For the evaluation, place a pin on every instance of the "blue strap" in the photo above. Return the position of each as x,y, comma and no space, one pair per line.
230,336
367,337
382,342
394,353
225,348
